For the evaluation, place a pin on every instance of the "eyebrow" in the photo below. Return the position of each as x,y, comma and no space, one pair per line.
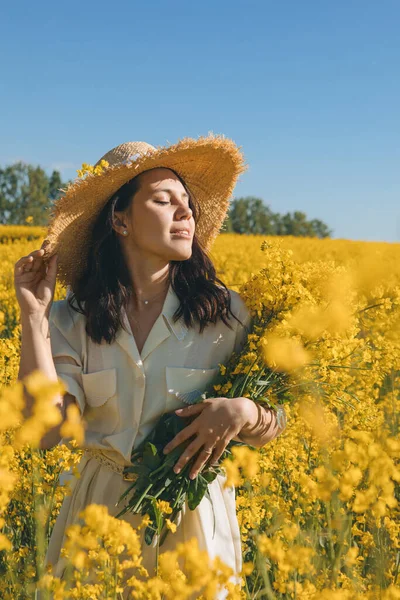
170,192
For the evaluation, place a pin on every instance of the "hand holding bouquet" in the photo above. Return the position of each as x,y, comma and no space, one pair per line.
167,465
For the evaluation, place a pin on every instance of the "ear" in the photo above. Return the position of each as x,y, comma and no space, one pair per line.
119,221
119,218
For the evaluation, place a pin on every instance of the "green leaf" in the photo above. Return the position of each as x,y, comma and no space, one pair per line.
150,456
150,450
209,475
149,535
196,491
139,469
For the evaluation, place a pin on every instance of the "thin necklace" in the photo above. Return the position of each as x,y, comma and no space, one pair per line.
146,302
154,298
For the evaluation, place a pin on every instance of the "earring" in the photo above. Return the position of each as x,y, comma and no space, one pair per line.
125,232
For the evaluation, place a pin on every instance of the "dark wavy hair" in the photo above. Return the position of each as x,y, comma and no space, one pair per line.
105,284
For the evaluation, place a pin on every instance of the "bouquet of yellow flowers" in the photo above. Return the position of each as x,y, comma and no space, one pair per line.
154,483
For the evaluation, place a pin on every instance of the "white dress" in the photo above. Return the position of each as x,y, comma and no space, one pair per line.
122,394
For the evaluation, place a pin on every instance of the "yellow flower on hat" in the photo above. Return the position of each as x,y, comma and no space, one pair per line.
86,168
100,167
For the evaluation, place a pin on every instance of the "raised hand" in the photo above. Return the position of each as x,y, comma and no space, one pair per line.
34,282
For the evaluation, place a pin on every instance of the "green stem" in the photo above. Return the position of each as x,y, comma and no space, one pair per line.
370,306
135,508
50,509
39,529
157,551
340,367
248,375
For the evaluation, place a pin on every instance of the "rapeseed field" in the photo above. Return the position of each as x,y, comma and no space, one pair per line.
318,507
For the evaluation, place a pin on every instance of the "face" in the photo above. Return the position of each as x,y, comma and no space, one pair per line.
159,220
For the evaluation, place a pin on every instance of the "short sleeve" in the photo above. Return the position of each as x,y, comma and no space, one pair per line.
66,350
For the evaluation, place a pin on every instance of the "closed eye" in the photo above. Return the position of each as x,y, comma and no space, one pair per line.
160,202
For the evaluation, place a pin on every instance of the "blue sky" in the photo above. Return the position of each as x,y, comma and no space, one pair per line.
310,90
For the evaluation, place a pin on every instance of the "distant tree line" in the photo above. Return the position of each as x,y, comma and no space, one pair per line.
251,215
27,193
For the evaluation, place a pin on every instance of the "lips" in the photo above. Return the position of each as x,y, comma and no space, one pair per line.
184,232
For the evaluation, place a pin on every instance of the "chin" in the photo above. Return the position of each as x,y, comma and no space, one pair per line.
182,254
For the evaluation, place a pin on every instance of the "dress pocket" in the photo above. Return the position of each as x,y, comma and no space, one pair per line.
99,386
102,410
185,385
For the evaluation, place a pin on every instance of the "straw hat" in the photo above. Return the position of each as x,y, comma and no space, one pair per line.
210,167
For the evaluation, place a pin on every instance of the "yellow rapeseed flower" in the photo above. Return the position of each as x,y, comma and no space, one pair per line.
285,354
164,507
171,526
72,426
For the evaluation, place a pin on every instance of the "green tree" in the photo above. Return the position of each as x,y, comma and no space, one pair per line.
321,229
250,215
55,184
26,190
11,182
296,224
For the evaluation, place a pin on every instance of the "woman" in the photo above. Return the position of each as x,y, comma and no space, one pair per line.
145,322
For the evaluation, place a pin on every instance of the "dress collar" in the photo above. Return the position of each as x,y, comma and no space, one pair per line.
170,306
161,330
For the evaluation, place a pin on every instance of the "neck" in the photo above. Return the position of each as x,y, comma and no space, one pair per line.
149,278
152,295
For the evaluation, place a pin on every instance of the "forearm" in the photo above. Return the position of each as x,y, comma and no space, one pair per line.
262,425
36,348
36,354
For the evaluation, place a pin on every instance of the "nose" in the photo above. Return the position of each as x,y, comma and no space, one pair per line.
185,212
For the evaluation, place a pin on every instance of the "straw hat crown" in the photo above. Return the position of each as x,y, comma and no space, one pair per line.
126,152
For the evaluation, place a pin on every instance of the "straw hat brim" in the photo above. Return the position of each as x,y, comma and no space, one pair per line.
210,167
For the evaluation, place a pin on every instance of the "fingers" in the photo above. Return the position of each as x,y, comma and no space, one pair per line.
187,454
218,452
193,409
52,268
26,263
180,437
30,256
31,263
204,456
22,264
209,452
